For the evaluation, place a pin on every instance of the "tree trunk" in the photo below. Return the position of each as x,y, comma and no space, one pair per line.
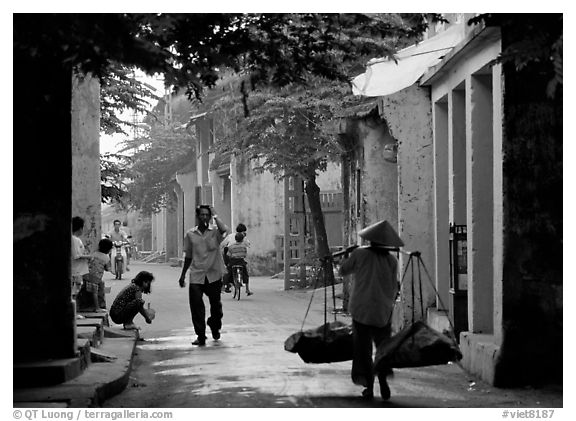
322,248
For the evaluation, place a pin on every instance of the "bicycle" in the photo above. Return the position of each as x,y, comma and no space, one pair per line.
237,280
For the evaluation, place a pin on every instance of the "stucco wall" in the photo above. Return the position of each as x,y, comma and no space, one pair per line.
86,191
172,232
221,195
159,231
258,203
379,176
187,183
408,115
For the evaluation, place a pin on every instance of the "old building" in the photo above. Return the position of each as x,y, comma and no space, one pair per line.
242,195
479,191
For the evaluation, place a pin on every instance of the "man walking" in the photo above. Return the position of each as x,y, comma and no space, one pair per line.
203,258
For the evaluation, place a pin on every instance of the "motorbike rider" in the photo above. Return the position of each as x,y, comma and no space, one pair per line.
118,235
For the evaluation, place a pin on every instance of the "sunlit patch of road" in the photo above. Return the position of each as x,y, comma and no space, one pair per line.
245,360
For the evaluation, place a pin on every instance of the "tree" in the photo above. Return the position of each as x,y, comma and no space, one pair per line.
286,130
284,134
530,40
152,159
289,133
113,178
153,166
120,90
188,49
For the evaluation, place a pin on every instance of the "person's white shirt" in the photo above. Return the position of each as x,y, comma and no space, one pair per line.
79,260
118,236
230,239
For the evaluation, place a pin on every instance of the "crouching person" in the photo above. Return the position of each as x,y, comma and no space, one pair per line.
129,302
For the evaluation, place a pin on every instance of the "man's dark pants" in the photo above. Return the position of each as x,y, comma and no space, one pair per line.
198,310
227,278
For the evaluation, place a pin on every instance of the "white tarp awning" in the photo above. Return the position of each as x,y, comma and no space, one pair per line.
384,76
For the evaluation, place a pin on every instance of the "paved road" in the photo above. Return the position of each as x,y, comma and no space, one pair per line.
249,367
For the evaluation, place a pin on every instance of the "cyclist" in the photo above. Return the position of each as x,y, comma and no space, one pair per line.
237,254
230,239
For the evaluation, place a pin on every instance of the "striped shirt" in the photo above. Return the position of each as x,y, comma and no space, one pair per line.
237,250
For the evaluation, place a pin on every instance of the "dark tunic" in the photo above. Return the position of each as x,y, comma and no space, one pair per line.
127,304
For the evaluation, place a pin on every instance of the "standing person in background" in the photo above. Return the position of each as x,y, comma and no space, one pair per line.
231,239
80,257
98,264
206,264
92,296
374,292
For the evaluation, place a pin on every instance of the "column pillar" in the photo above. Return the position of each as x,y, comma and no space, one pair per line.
480,204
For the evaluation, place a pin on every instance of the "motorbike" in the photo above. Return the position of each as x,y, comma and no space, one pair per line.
118,258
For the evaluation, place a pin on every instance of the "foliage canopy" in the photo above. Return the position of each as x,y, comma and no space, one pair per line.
188,49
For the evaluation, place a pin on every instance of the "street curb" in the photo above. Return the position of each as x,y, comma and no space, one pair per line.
116,385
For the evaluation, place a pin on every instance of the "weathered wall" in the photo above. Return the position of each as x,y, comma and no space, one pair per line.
408,114
179,232
171,229
379,176
86,191
257,200
369,167
258,203
187,183
222,196
159,230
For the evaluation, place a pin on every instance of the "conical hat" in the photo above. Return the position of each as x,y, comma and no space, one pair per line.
381,233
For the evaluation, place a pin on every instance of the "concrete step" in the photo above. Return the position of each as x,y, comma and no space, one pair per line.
83,346
96,315
49,372
100,356
90,333
46,373
98,382
93,322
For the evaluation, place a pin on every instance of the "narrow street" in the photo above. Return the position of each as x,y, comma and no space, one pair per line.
249,367
437,137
